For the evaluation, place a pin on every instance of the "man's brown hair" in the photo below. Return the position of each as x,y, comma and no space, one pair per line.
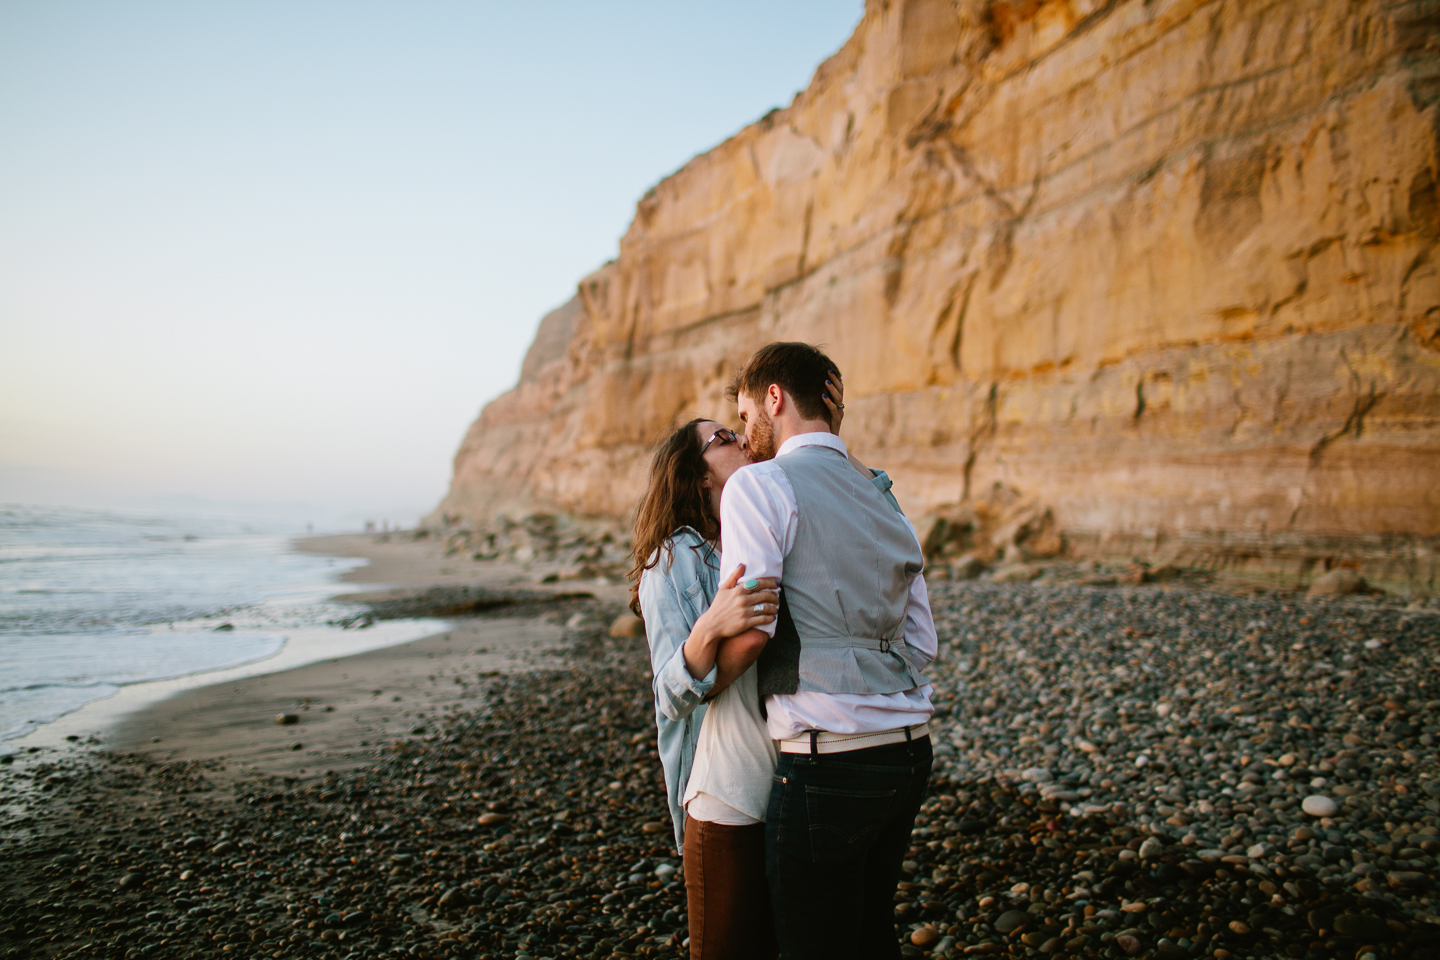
800,370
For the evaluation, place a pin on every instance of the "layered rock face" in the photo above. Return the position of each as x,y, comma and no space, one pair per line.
1166,268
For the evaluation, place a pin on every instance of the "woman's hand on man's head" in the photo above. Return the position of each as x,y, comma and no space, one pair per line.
834,397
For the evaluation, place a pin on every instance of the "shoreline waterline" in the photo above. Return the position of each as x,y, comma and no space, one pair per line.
107,613
93,721
318,655
344,707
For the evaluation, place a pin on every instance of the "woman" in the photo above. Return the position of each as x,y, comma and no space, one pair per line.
717,759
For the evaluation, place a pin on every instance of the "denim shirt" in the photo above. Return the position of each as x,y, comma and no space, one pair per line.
673,595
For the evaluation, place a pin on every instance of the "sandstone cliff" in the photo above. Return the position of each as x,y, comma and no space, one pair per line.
1166,268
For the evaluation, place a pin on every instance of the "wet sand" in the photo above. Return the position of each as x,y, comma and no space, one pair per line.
344,709
347,707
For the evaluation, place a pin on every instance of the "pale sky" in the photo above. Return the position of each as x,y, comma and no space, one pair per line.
285,251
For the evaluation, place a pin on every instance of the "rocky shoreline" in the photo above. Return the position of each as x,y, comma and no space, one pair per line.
1121,772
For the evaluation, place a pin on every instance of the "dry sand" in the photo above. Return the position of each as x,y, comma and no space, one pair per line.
404,564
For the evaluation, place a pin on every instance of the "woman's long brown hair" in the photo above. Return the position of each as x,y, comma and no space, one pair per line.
675,498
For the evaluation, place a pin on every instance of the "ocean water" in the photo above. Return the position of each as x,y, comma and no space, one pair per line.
93,600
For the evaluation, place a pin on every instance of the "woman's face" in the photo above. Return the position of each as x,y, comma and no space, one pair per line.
723,456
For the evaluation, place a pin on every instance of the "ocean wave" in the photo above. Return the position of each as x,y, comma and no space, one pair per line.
49,679
88,597
66,686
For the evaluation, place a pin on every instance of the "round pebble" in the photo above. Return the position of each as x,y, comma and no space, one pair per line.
924,936
1318,805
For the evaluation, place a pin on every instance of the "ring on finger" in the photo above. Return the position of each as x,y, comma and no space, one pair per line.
759,608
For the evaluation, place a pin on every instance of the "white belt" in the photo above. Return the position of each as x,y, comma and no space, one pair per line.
819,741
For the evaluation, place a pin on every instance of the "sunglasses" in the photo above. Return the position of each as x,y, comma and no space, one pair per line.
724,435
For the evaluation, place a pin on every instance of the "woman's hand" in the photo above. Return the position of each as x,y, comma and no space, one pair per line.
738,606
834,397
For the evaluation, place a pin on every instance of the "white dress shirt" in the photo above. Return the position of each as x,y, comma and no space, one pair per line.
758,518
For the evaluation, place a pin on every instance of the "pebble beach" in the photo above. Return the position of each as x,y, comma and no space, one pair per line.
1122,771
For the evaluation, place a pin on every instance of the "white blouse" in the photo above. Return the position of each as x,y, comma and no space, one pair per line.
734,758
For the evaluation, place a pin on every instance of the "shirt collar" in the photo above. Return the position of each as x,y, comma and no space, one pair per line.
819,439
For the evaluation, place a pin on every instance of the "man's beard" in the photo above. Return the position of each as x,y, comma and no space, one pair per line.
760,437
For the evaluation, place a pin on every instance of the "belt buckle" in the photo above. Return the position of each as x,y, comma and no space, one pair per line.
884,645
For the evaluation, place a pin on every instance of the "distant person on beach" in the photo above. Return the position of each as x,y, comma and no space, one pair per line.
718,759
839,669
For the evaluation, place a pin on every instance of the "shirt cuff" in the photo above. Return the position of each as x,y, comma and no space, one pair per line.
680,687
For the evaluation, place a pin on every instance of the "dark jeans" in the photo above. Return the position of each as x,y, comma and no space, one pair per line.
836,833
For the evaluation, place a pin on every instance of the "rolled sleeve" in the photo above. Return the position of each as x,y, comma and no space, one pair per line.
677,692
883,483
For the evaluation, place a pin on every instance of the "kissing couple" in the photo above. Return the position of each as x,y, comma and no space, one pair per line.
788,625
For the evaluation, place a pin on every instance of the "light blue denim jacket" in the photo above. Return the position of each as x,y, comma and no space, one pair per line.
673,595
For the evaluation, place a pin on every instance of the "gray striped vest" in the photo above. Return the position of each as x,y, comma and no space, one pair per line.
841,627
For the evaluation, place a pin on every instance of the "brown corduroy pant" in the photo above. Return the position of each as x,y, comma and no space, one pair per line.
728,897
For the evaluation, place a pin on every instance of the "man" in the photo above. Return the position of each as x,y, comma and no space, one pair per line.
840,670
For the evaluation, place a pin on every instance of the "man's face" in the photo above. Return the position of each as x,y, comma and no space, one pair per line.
759,428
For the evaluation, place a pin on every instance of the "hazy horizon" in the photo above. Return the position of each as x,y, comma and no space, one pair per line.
281,254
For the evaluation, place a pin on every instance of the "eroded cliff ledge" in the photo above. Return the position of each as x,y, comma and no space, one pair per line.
1167,268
